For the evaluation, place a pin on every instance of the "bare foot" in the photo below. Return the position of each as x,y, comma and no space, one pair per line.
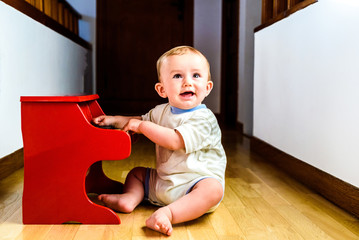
119,202
160,221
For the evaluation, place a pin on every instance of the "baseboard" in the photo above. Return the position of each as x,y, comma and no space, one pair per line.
239,127
11,163
335,190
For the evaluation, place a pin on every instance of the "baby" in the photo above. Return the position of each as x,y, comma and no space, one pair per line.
190,161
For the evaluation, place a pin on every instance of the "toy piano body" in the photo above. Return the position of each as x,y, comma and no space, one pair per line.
60,145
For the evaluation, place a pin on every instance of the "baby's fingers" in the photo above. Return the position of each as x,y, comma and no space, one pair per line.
99,120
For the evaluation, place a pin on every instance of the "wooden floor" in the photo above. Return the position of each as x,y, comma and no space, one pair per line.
260,203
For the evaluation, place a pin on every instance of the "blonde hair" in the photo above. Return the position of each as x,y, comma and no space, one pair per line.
180,50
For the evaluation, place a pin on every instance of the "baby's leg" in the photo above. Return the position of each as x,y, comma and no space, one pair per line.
204,195
132,195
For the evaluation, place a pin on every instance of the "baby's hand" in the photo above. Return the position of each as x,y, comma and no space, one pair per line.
133,125
104,120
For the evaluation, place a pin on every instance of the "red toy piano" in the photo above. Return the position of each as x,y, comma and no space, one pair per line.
60,146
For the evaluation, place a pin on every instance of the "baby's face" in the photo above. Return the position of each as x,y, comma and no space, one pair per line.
184,80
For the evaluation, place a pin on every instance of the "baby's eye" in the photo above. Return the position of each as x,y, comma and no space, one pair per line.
177,76
196,75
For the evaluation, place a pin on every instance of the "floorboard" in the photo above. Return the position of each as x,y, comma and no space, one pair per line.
260,202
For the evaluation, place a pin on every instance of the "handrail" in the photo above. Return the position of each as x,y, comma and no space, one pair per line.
55,14
275,10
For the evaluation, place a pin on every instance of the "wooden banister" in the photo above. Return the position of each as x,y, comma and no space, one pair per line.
275,10
58,15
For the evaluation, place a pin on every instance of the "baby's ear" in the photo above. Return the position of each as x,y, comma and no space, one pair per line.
160,90
209,87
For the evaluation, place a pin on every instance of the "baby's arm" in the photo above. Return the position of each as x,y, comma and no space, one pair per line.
116,121
165,137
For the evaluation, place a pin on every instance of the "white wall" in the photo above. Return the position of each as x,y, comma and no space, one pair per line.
306,100
207,39
34,60
87,31
249,18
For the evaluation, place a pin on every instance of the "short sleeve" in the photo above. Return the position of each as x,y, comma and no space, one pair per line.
196,133
155,114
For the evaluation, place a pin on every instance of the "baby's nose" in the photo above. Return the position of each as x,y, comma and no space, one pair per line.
187,81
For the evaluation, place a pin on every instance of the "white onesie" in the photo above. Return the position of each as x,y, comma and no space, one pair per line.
178,171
